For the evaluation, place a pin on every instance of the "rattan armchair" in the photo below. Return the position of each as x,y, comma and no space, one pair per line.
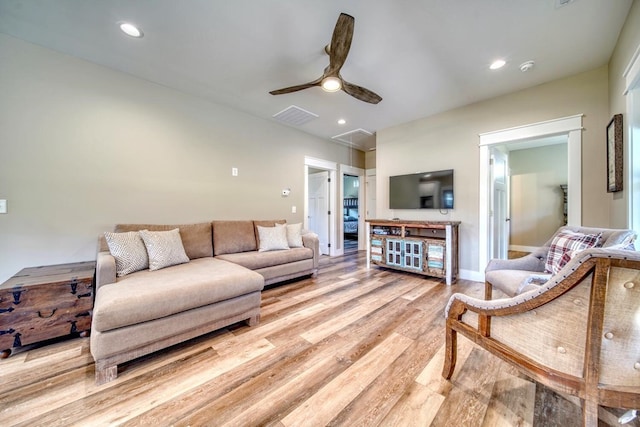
578,333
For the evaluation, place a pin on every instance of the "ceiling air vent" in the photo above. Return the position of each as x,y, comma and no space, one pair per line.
353,137
294,116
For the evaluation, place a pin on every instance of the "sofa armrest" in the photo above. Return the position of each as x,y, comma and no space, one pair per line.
105,269
529,262
311,240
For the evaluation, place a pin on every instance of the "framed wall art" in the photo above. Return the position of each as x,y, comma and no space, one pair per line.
614,154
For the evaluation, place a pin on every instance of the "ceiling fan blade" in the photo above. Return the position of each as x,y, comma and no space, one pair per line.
340,42
360,93
297,88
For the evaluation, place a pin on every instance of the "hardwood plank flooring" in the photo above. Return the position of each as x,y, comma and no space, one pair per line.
351,347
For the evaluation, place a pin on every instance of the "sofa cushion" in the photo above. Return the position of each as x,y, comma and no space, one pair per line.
272,238
256,260
149,295
230,237
129,252
568,242
196,238
164,248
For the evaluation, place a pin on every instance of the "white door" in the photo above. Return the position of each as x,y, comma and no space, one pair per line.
499,204
319,208
371,197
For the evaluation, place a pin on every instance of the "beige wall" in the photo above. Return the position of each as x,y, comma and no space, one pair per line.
537,201
83,147
627,45
370,159
450,141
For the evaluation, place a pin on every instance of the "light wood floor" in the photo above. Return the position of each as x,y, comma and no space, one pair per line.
352,347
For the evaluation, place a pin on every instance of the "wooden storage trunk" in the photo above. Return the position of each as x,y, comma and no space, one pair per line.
40,303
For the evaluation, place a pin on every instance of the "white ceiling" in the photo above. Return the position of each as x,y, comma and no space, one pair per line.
422,56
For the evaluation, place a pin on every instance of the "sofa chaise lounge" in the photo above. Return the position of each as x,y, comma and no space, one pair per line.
220,283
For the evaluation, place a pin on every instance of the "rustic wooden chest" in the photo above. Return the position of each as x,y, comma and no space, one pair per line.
40,303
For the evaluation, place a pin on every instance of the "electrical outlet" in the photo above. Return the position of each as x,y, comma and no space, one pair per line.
234,171
3,206
294,209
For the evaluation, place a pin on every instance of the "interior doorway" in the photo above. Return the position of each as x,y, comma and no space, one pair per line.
320,202
571,128
351,221
350,212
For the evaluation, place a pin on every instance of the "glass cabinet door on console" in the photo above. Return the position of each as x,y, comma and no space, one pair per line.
394,252
413,254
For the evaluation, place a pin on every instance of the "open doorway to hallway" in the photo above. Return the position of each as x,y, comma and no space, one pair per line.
568,127
351,211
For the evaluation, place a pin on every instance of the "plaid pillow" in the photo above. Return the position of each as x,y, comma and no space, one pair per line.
565,245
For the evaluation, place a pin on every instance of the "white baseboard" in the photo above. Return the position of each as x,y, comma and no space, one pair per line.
476,276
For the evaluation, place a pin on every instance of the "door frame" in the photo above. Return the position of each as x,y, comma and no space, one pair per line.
631,92
353,171
570,126
493,152
331,167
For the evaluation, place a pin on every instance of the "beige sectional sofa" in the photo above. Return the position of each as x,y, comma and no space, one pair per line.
147,310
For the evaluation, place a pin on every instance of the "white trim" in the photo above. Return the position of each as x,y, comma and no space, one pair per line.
631,74
534,130
360,173
331,167
571,126
320,163
632,144
475,276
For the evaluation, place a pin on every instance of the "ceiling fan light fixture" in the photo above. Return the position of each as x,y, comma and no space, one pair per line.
131,30
331,84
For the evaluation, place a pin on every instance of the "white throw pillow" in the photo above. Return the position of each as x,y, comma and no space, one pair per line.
294,234
129,251
272,238
164,248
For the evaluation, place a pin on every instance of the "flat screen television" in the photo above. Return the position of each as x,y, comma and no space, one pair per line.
425,190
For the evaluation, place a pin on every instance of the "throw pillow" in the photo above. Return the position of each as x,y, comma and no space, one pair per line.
272,238
164,248
129,252
565,245
294,234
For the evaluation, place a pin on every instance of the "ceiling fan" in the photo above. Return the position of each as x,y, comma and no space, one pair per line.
331,80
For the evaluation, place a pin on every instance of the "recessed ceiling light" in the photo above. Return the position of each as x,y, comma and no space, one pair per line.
342,121
499,63
131,30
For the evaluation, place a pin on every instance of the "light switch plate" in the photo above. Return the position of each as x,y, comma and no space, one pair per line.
3,206
294,209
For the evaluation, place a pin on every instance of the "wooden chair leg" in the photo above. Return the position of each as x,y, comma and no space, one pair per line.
451,352
488,289
589,413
